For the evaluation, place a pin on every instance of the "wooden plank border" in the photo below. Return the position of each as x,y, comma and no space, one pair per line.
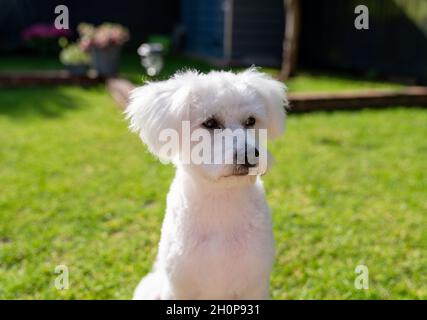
324,101
120,88
408,97
299,102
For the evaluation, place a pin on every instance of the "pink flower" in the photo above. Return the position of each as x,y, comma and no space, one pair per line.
102,36
43,31
85,44
101,39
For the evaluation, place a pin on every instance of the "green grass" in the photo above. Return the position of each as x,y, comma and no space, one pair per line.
16,62
131,68
312,82
304,81
74,192
78,189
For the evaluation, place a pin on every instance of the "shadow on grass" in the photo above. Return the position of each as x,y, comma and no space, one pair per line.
131,68
46,102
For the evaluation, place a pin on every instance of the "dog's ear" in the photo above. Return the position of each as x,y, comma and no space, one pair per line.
273,93
159,106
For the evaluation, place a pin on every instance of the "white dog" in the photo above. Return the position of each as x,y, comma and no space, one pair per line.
216,240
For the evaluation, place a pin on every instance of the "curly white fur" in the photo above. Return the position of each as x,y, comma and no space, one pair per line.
216,239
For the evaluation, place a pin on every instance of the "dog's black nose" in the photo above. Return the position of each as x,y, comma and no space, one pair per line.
252,161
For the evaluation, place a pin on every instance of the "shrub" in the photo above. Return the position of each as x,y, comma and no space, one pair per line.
73,55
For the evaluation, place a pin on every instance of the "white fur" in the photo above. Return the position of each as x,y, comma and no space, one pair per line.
216,239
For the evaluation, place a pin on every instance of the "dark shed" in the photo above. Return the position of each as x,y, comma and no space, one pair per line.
234,31
394,45
245,32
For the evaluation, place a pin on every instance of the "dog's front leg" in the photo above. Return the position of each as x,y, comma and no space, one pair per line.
167,293
255,293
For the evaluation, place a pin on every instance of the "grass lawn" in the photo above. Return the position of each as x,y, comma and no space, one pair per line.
78,189
303,81
131,68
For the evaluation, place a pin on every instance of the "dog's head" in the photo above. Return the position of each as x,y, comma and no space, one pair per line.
213,124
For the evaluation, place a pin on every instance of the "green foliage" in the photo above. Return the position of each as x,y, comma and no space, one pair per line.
73,55
165,41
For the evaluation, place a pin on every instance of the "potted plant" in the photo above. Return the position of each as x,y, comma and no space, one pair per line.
104,42
75,60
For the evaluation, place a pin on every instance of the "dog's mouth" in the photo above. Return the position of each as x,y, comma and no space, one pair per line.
239,171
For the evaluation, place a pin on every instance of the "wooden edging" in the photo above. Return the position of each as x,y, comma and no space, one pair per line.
120,88
299,102
353,100
305,102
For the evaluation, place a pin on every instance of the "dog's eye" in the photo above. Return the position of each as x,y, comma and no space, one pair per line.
250,122
211,124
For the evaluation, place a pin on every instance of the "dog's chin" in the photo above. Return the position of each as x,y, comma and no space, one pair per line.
227,176
238,175
236,180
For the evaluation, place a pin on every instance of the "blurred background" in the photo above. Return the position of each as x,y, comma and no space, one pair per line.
246,32
348,187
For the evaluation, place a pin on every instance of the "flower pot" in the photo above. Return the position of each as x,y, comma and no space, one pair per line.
106,60
77,69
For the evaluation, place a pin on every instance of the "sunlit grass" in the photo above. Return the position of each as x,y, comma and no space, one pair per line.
303,81
77,188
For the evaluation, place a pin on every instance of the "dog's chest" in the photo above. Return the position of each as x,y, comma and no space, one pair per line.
223,259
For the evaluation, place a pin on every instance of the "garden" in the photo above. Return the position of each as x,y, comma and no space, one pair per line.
348,188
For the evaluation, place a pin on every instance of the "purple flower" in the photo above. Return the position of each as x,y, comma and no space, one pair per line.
43,31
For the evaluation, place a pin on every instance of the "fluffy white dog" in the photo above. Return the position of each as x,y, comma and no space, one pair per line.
216,239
